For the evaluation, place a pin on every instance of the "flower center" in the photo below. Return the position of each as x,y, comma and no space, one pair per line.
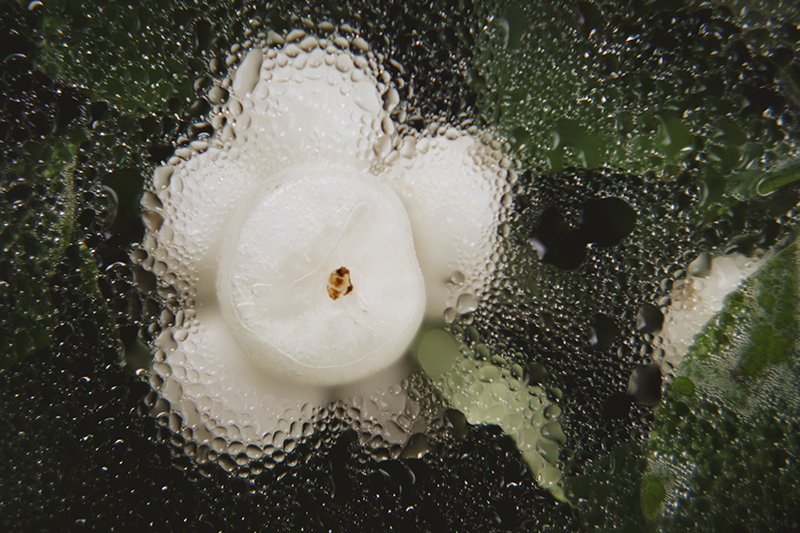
282,284
339,283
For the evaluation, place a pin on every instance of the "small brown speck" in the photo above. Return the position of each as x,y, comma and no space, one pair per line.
339,283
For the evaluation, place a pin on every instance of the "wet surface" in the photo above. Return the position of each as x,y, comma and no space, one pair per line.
678,142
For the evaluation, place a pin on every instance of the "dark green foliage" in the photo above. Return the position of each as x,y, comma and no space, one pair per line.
726,439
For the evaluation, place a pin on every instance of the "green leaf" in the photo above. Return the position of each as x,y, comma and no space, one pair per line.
132,55
38,228
652,494
725,428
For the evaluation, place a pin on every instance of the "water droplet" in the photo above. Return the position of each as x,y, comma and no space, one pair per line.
247,74
467,303
701,266
649,319
365,96
344,63
644,384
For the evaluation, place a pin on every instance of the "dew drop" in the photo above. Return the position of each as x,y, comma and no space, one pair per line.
467,303
365,96
248,72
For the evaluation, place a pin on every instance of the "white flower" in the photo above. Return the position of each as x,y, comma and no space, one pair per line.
303,244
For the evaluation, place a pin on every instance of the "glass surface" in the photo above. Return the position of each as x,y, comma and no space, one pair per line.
625,355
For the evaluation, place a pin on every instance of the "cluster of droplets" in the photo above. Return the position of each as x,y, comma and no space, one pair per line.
483,165
37,203
412,425
591,308
488,389
737,386
236,426
285,60
131,128
695,299
630,94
